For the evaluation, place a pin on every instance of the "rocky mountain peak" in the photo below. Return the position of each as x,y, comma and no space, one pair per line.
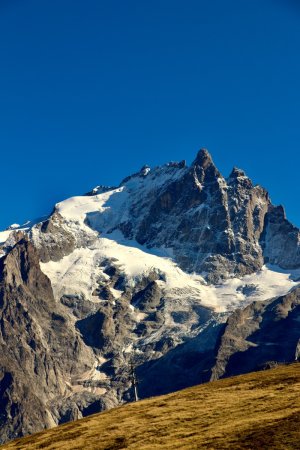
236,172
239,180
203,159
204,168
145,169
278,212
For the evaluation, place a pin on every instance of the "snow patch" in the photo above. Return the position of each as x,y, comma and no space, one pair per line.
268,283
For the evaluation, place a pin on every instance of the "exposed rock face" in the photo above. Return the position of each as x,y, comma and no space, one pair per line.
40,351
54,239
247,206
262,332
181,217
280,239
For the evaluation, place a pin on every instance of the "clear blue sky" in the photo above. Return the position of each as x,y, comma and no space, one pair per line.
91,90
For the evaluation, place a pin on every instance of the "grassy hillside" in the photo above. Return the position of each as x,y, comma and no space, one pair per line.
260,410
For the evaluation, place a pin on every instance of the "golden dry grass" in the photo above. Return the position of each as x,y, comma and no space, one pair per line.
259,411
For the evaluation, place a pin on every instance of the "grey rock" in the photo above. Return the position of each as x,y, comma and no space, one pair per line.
262,332
54,240
148,298
39,350
280,239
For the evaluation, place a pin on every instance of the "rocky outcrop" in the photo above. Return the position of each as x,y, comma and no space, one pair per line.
39,350
280,240
53,239
191,216
247,205
262,332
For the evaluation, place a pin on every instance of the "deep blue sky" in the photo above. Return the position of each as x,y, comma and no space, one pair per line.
91,90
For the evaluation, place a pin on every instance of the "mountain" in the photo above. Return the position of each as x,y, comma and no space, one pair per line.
207,416
178,271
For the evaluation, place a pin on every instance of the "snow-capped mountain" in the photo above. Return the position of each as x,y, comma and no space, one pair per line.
151,272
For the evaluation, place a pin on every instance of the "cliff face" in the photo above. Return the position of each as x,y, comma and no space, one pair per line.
213,225
40,351
262,332
280,239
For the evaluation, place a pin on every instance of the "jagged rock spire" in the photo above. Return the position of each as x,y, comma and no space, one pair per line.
236,172
203,158
204,167
239,178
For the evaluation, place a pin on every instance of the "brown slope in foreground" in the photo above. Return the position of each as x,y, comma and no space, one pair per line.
260,410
